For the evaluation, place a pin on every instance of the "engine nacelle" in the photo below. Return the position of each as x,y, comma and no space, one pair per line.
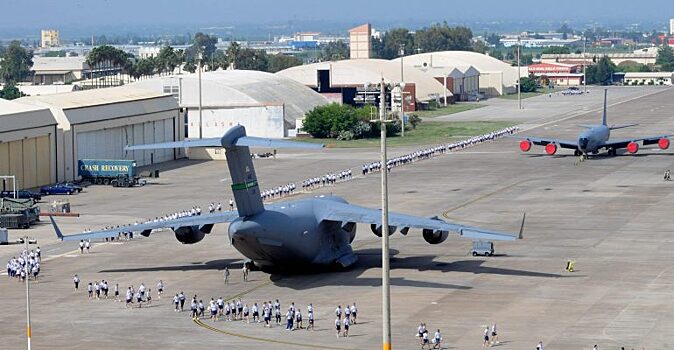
189,234
633,147
350,228
663,143
525,145
376,229
551,149
434,236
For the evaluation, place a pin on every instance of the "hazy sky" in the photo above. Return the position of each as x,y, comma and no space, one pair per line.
29,14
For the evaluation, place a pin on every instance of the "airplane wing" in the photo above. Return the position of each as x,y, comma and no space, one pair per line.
543,141
146,228
352,213
622,143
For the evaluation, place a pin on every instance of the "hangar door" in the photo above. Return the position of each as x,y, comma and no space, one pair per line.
109,143
28,160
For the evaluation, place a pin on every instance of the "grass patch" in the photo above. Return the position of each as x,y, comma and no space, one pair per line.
532,94
426,133
449,109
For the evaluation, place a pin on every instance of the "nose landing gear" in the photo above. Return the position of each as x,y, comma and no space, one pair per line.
612,152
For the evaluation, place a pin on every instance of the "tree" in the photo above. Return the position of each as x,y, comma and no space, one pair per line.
441,37
329,120
556,50
565,30
493,39
280,62
190,66
167,60
602,72
204,44
497,54
528,84
107,58
16,63
632,66
665,58
480,46
252,59
334,51
10,92
394,42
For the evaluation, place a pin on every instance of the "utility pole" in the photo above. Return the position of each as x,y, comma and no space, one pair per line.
385,270
519,77
28,330
402,91
584,66
200,116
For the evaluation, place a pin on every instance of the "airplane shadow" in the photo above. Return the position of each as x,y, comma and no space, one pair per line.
208,265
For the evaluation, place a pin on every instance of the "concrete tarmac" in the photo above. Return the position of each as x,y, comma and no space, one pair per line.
609,214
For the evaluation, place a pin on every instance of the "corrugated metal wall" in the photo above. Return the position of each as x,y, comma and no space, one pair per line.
109,143
28,160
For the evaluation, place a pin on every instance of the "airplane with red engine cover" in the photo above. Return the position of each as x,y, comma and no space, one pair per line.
594,139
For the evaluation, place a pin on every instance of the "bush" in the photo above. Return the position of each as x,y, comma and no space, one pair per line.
414,120
329,120
528,84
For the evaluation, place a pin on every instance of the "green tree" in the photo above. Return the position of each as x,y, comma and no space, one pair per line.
330,120
394,42
167,60
106,58
528,84
190,66
632,66
280,62
602,72
334,51
480,46
204,44
565,30
251,59
10,92
441,37
556,50
665,58
493,39
16,63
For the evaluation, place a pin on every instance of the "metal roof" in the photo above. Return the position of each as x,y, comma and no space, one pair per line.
19,116
68,64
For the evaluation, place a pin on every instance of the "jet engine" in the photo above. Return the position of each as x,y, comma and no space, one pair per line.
633,147
350,228
551,148
663,143
376,229
189,234
435,236
525,145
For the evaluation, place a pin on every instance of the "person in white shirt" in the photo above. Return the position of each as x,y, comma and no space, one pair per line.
353,313
494,335
486,337
540,345
437,339
87,244
424,341
160,289
76,281
346,326
245,313
81,246
338,325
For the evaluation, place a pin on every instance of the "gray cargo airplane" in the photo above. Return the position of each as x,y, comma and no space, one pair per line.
595,138
306,232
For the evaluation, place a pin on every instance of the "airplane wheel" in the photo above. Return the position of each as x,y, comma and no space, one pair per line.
576,153
474,253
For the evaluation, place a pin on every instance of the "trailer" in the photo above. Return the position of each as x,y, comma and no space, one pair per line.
104,171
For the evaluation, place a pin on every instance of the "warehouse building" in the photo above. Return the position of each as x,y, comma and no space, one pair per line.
648,78
58,70
339,81
496,77
97,124
463,82
266,104
27,144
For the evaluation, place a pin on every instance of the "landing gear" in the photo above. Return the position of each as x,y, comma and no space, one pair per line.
612,152
577,153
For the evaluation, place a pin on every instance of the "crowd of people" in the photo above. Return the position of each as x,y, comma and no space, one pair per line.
278,192
27,265
430,152
101,290
330,178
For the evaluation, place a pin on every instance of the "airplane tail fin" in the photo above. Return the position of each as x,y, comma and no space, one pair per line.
603,116
236,144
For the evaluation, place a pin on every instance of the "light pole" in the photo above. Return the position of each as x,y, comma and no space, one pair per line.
385,285
200,115
519,77
584,66
28,329
402,109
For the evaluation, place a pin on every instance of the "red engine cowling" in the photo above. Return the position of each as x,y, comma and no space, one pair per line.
525,145
633,147
551,149
663,143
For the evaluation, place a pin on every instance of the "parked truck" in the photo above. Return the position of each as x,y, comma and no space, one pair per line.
107,171
18,213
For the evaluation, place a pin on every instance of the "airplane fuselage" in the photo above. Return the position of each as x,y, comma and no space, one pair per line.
301,239
594,138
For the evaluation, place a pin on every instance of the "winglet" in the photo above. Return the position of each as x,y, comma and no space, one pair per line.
59,234
521,236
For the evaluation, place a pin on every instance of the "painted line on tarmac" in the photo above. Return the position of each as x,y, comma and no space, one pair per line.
275,341
479,198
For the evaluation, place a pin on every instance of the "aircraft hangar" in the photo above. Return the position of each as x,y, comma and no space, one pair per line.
27,144
99,123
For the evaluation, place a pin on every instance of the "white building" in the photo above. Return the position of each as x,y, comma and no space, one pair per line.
58,70
266,104
648,78
148,51
97,124
671,26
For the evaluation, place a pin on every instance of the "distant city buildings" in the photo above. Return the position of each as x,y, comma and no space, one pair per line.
360,42
540,40
50,38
